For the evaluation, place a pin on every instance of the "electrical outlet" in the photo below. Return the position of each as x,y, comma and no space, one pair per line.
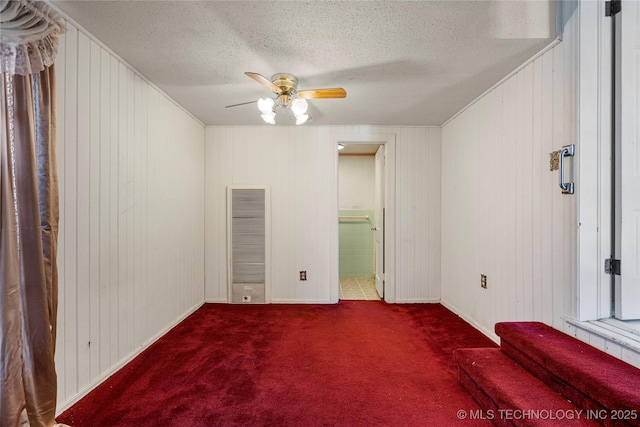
303,275
246,298
483,281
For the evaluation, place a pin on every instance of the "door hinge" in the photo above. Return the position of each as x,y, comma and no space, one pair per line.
612,266
612,7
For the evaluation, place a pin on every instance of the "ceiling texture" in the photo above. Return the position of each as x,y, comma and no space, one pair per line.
402,63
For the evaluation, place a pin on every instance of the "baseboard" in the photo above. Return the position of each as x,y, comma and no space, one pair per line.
489,333
279,301
216,301
299,301
418,301
61,407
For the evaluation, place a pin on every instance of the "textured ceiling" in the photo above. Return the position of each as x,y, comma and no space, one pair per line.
401,63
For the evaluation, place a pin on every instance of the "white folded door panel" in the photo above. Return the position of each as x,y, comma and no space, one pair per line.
247,243
628,283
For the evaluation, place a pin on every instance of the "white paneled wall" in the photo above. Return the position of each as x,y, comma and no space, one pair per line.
131,249
300,166
503,214
356,177
418,225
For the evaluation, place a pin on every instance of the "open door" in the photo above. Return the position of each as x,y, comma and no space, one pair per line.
627,292
379,219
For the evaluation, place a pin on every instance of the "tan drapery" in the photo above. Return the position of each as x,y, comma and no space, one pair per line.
28,236
28,213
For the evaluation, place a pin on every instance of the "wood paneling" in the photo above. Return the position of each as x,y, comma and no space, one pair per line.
300,166
503,213
131,249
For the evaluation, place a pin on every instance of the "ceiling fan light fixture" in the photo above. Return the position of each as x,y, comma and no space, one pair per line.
285,88
299,106
301,118
269,117
266,105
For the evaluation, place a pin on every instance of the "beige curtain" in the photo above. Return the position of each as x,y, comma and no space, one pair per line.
28,213
28,234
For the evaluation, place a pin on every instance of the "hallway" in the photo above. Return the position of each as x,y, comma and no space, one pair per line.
358,289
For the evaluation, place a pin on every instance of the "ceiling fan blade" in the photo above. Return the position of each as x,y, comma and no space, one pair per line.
242,103
264,81
336,92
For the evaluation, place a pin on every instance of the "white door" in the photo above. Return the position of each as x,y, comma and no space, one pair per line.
627,292
379,219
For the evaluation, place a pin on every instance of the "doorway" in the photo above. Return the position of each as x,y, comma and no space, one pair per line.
388,140
361,220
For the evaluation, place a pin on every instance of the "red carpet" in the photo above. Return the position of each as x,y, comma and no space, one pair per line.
589,377
356,363
498,383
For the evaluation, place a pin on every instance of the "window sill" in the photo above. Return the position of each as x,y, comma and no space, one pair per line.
618,338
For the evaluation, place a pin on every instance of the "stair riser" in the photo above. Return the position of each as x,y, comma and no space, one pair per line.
591,379
489,407
567,390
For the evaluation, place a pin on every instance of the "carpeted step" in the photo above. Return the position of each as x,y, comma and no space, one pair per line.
511,396
592,379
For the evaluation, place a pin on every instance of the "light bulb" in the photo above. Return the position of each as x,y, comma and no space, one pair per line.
265,105
301,118
269,117
299,106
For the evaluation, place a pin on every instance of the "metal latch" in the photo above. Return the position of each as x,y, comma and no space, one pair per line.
612,266
612,7
554,160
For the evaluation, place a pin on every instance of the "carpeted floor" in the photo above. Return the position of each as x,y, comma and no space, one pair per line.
356,363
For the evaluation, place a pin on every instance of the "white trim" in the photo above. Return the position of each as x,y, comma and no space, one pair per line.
115,368
606,337
348,139
301,301
389,141
419,301
215,301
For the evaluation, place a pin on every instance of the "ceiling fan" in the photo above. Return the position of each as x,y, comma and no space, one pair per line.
285,86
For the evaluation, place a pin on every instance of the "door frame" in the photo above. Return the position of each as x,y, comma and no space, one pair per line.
378,224
389,141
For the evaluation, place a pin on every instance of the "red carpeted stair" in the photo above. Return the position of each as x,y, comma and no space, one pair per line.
541,376
509,394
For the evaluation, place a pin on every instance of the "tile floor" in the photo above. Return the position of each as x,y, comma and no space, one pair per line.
359,289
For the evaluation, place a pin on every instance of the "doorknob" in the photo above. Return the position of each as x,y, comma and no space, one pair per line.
374,229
